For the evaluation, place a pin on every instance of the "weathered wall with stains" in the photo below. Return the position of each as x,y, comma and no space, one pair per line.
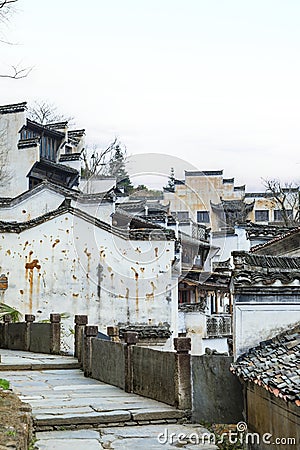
263,204
273,417
217,393
29,207
100,209
199,190
196,195
67,264
17,162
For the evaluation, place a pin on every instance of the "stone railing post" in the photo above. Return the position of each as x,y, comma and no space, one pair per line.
7,321
113,333
90,332
80,322
55,334
29,319
183,386
130,338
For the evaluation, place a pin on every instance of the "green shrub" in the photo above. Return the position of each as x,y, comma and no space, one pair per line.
4,384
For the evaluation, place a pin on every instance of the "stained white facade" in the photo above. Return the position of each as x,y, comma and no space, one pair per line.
69,264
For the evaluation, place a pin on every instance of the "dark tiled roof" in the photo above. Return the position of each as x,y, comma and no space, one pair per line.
57,125
256,230
70,157
264,261
204,173
28,143
146,331
239,188
259,194
274,365
251,269
79,133
32,125
54,165
279,238
63,190
14,108
135,234
233,205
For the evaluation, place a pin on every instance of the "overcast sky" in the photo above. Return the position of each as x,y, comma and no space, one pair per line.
213,82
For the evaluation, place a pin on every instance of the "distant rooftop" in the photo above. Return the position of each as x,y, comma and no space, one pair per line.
204,173
14,108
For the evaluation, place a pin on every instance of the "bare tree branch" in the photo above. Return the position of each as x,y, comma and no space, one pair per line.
6,2
44,112
17,73
97,162
286,197
6,9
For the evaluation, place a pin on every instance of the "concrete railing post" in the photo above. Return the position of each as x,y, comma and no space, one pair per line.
183,386
55,334
29,319
131,339
7,321
90,332
113,333
80,322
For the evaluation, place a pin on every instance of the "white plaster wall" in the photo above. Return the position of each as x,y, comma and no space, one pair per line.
46,200
73,164
77,268
37,204
94,186
18,161
254,323
227,244
101,211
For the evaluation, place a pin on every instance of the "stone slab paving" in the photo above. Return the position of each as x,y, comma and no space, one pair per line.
18,360
87,414
66,397
150,437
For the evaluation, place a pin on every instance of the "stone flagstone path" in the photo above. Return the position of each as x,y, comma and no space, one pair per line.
71,411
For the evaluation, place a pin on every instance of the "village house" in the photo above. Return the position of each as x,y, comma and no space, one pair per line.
209,199
191,232
61,250
204,300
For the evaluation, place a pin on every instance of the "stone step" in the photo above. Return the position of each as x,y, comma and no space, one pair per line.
38,366
85,415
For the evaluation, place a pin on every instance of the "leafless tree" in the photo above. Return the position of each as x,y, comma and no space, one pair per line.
97,162
44,112
286,197
6,10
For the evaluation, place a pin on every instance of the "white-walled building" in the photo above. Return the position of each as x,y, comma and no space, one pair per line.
61,250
